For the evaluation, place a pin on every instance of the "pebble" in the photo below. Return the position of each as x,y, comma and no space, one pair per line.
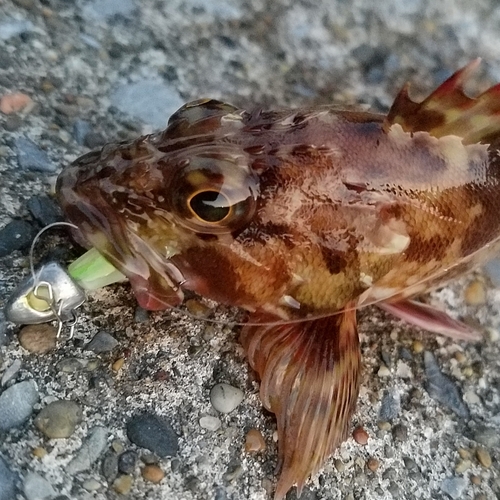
16,404
109,466
153,433
443,389
225,398
360,435
210,423
373,464
454,487
492,270
400,432
152,473
475,293
7,481
44,209
390,406
59,419
38,339
403,370
12,103
70,365
12,28
483,457
134,99
102,342
81,129
417,346
118,364
487,436
127,462
198,309
11,371
92,484
462,466
254,441
475,480
383,371
36,487
98,9
16,235
39,452
31,157
123,484
91,449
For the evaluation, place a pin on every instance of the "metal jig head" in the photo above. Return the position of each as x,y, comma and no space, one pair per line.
50,294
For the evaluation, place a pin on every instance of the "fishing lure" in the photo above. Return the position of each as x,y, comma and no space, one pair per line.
300,217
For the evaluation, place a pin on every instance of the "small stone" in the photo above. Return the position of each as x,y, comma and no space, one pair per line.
443,389
464,453
109,466
410,464
118,365
339,465
225,398
417,346
16,235
383,371
400,432
198,309
384,426
70,365
373,464
39,452
11,371
153,433
487,436
117,446
152,473
141,315
16,404
90,451
127,461
483,457
475,480
454,487
102,342
31,157
360,435
44,209
92,484
210,423
234,471
390,474
462,466
403,370
475,293
59,419
15,102
123,484
390,406
460,356
80,130
36,487
38,339
254,441
7,481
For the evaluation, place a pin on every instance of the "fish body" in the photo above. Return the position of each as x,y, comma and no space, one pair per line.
300,217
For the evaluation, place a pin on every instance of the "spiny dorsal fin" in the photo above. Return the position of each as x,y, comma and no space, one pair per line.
448,111
309,374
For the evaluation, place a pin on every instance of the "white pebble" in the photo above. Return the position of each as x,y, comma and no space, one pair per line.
210,423
384,371
225,398
36,487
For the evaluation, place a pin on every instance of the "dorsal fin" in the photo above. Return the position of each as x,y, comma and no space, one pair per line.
448,111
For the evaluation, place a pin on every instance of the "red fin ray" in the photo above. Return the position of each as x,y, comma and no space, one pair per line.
448,111
431,319
310,380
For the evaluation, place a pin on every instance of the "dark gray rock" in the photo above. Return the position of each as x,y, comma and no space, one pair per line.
390,406
153,433
7,481
31,157
16,404
442,388
44,209
16,235
102,342
110,466
127,462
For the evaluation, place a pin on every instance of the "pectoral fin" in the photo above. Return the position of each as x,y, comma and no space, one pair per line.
431,319
310,379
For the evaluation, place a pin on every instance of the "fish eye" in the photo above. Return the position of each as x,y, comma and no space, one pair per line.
209,206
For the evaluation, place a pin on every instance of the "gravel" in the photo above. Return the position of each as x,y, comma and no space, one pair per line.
225,398
90,69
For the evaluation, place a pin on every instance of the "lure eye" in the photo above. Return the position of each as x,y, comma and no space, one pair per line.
210,206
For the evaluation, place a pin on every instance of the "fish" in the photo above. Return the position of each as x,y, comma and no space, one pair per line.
300,217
